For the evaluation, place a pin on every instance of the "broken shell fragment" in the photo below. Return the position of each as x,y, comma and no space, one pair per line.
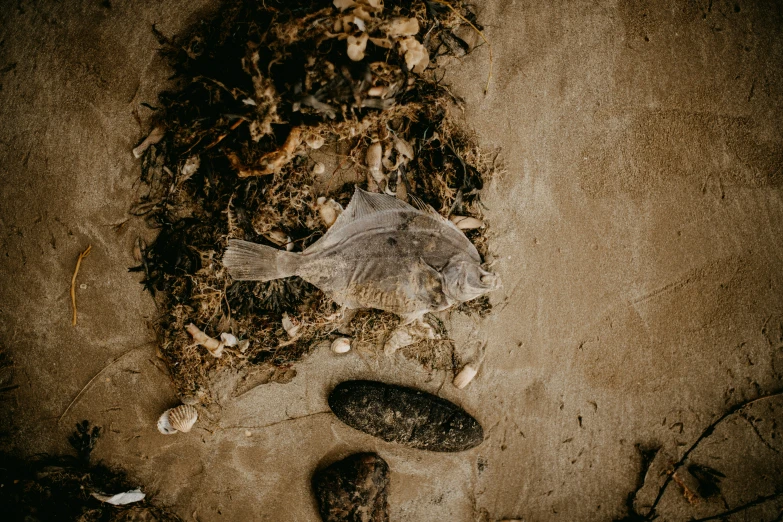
319,168
403,27
373,159
290,327
356,46
376,91
342,5
214,346
416,57
329,210
152,138
404,148
182,418
315,142
190,167
278,237
406,416
228,339
406,335
466,223
464,377
341,345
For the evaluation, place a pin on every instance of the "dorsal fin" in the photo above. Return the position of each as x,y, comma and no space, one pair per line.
364,204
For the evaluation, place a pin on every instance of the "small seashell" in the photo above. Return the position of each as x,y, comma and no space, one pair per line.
375,91
356,46
406,335
243,345
190,167
277,236
290,328
416,57
182,418
464,377
341,345
373,159
342,5
228,339
315,142
329,210
359,23
214,346
154,137
404,148
403,27
319,168
466,223
249,101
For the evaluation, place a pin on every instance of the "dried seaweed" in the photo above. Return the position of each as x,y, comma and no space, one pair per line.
256,89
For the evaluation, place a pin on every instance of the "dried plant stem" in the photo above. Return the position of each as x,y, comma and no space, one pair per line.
73,281
86,386
489,75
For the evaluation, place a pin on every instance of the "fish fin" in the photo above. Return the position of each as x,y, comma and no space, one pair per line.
365,204
248,261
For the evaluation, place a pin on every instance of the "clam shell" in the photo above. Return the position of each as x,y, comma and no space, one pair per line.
465,375
341,345
319,168
466,223
183,417
329,210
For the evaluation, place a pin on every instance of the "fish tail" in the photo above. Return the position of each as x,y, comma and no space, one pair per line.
248,261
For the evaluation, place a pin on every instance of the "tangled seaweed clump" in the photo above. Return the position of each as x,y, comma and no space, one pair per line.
259,91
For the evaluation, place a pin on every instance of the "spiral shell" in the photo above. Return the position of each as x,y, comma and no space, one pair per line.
182,418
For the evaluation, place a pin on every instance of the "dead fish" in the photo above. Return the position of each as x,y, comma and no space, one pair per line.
353,489
380,253
406,416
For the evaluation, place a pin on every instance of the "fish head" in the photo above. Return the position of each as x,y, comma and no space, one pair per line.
464,279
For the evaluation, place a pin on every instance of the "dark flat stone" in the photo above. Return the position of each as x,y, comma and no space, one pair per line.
406,416
353,489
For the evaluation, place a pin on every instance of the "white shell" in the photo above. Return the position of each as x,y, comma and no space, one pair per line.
403,27
404,336
466,223
154,137
373,159
464,377
277,236
214,346
315,142
319,168
376,91
190,167
416,57
229,339
289,326
356,46
182,418
341,345
329,210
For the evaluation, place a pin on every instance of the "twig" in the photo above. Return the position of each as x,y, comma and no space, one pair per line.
704,434
73,281
84,389
743,507
489,76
